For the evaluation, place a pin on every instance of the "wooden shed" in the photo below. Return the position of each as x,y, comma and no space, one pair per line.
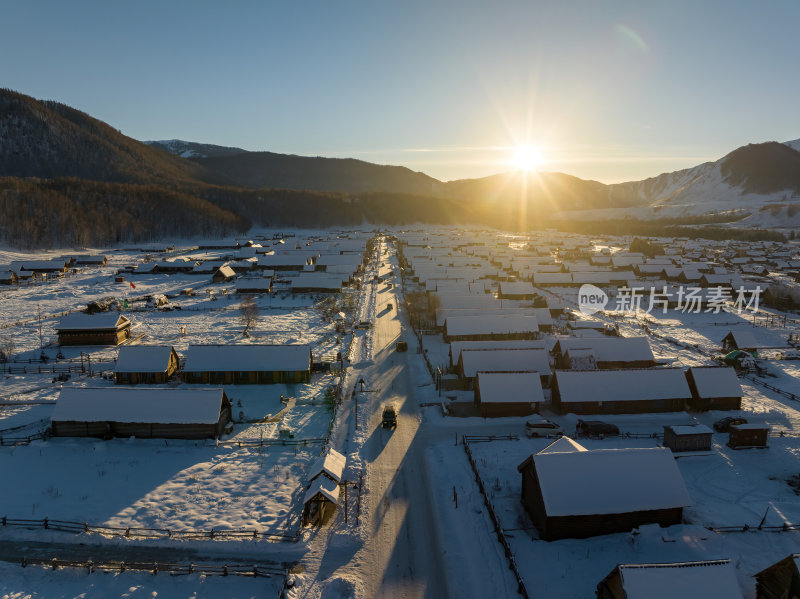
687,437
135,412
500,394
247,364
713,579
781,580
320,501
147,364
107,328
254,284
619,391
223,274
714,388
740,340
748,436
8,277
579,494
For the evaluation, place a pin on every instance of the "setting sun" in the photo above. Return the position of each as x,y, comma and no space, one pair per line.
527,158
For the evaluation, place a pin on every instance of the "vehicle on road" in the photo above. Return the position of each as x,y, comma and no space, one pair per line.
541,427
364,324
401,346
724,425
390,306
596,428
389,419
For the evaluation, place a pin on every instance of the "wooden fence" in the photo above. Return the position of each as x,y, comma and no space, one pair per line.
148,533
498,529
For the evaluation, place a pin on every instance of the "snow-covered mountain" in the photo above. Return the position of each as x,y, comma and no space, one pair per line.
190,149
757,185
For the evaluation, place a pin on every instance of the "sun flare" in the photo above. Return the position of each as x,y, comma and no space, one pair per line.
527,158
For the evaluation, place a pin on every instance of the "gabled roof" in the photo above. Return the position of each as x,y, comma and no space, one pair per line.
621,481
325,487
101,321
716,381
122,404
709,580
143,358
456,347
247,358
744,339
508,360
494,324
331,463
563,445
510,387
622,385
610,349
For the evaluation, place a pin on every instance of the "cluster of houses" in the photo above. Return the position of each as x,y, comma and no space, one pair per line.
20,271
310,265
186,412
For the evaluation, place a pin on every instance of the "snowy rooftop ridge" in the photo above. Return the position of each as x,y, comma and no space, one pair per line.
707,579
145,406
621,481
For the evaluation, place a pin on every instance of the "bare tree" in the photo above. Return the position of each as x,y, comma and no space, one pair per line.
248,314
6,348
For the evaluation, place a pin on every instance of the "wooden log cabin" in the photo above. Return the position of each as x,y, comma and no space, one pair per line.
619,391
108,328
714,388
145,364
247,364
581,493
109,412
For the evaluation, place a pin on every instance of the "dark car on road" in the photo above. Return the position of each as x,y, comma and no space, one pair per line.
724,424
389,419
596,428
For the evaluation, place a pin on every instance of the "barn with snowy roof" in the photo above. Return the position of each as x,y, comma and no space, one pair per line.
247,364
108,412
571,492
620,391
148,364
108,328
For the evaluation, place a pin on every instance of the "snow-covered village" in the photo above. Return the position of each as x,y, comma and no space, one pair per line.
399,300
439,411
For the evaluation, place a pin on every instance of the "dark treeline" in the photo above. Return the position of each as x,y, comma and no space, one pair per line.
73,212
658,228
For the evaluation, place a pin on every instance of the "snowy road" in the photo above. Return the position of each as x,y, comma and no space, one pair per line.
395,553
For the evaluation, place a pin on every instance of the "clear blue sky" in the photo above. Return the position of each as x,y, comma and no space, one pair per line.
607,90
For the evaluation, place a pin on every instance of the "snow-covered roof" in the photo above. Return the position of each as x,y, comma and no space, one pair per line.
508,360
247,358
563,445
745,339
143,358
493,324
317,280
324,486
517,288
752,426
331,463
611,349
709,580
716,381
620,480
101,321
690,429
622,385
510,387
122,404
456,347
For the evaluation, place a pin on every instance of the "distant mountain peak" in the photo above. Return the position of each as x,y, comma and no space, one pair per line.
190,149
